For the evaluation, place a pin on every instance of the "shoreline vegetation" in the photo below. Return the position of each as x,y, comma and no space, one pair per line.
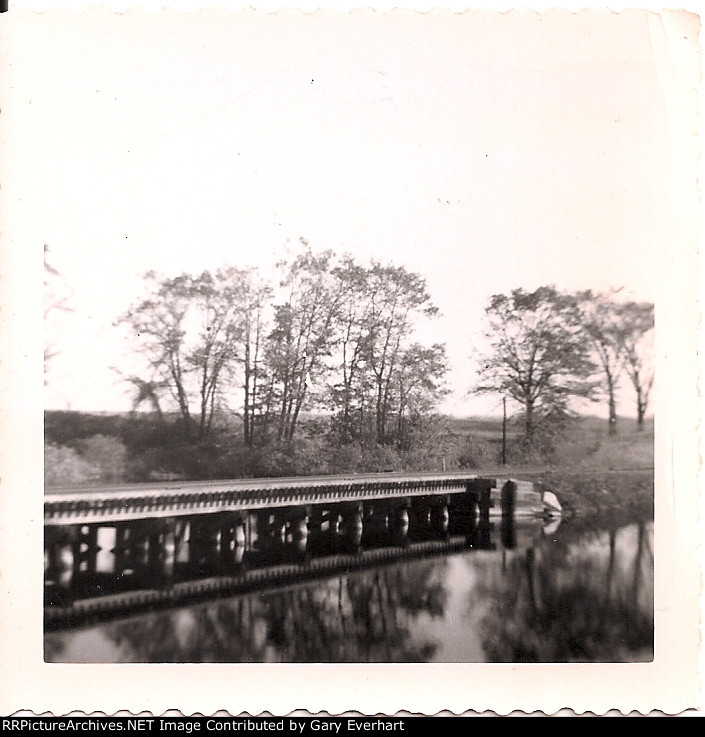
598,475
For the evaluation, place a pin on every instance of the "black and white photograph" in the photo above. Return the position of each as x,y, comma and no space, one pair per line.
369,358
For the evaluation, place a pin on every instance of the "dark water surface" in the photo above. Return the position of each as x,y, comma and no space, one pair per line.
551,593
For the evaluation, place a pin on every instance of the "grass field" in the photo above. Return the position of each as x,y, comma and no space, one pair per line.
589,444
594,474
584,443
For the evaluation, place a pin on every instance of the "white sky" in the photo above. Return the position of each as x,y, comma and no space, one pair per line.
484,151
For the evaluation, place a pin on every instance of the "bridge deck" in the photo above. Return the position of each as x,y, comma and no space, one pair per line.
78,505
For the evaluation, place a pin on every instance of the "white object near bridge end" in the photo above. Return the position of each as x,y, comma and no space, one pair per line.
551,505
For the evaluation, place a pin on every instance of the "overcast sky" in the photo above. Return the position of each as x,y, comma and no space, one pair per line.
484,151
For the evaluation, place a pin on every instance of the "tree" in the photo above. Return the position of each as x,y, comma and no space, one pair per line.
332,333
158,326
636,335
419,386
215,301
57,296
187,329
302,336
375,385
252,303
352,345
397,298
146,391
602,324
538,355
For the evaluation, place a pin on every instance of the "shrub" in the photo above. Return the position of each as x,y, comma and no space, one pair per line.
63,466
346,458
107,454
475,453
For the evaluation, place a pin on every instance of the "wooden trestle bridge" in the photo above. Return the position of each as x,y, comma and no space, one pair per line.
112,549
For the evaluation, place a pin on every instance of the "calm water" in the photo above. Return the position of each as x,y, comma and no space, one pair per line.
545,595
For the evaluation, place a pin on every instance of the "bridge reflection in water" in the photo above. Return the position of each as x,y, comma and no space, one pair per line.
105,559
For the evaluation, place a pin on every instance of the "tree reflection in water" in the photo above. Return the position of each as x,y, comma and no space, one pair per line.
574,597
588,601
360,617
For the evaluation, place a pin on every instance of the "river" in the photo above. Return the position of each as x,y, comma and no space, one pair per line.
537,592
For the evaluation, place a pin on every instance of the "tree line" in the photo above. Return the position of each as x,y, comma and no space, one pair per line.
320,361
327,334
548,348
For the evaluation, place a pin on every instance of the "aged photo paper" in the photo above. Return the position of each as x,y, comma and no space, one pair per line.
207,141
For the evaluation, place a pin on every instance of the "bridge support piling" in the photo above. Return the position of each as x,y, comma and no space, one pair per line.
59,562
228,529
439,517
507,525
420,517
507,532
163,546
351,525
87,549
508,499
297,531
399,523
182,535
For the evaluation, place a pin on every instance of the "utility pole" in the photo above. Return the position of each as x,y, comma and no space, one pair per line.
504,431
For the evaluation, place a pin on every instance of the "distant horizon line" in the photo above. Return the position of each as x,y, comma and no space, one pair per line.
106,412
